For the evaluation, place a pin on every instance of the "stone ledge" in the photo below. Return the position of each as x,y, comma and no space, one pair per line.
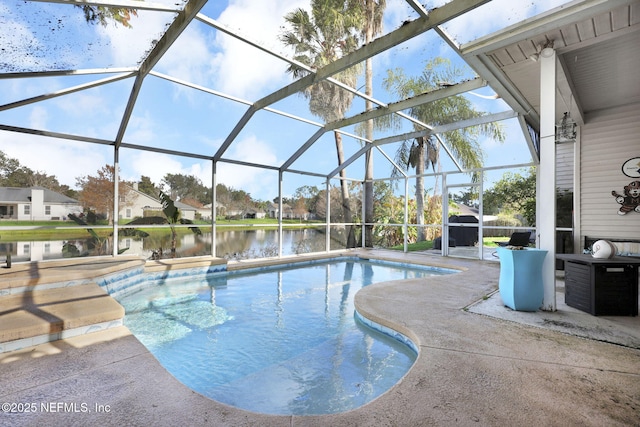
62,273
52,311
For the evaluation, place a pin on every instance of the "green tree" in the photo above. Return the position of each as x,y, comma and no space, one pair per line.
423,152
186,187
309,194
96,192
514,193
14,174
103,14
146,186
467,198
319,38
233,200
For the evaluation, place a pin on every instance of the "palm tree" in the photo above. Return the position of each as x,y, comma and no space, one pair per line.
372,14
423,152
171,217
318,39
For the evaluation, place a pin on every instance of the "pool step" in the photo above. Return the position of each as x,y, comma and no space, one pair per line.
41,275
34,317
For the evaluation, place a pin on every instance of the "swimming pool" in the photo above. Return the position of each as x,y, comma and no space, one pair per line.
275,341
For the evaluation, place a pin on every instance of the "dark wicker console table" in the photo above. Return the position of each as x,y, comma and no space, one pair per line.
602,287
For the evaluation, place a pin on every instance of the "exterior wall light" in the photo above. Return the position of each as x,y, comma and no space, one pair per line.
547,52
566,129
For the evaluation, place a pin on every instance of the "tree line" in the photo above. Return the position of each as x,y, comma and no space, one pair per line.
95,191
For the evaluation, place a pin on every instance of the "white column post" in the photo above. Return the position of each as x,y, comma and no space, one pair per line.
116,195
444,239
406,214
280,213
327,234
363,212
546,177
214,207
481,216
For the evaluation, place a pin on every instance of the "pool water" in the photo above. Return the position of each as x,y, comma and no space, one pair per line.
276,342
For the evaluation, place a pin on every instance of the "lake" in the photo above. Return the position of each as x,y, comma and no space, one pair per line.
231,244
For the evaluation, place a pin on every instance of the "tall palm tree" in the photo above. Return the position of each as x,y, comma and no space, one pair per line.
372,14
422,152
319,38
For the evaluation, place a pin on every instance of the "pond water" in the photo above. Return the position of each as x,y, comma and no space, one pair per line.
229,243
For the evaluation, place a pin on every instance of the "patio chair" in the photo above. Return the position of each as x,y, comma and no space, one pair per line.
519,238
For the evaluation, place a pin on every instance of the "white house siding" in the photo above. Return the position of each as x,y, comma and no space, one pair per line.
38,209
564,166
137,202
601,173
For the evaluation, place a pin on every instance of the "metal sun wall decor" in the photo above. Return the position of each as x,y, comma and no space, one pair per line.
630,199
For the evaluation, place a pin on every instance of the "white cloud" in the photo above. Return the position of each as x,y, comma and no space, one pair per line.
67,161
252,150
188,57
128,45
240,69
78,104
38,118
153,165
260,183
140,129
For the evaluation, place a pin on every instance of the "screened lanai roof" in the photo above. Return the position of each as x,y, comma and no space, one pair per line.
207,80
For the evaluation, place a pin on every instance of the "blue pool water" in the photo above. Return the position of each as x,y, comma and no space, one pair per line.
277,342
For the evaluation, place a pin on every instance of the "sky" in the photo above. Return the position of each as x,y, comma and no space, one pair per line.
40,36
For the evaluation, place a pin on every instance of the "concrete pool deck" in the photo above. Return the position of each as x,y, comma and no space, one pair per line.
480,364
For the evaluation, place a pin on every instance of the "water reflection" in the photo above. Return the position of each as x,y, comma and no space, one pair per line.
231,244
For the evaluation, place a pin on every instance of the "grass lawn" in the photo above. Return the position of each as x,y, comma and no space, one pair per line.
62,230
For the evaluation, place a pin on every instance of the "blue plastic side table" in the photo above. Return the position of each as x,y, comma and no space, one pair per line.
521,278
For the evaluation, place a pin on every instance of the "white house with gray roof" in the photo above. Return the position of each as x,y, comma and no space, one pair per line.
136,203
35,204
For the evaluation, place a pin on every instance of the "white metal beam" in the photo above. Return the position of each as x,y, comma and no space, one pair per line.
406,32
230,98
302,149
381,44
230,32
62,92
421,99
249,164
527,136
448,127
185,16
235,131
57,135
62,73
124,4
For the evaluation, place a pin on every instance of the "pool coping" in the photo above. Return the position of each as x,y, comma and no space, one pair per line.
471,370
